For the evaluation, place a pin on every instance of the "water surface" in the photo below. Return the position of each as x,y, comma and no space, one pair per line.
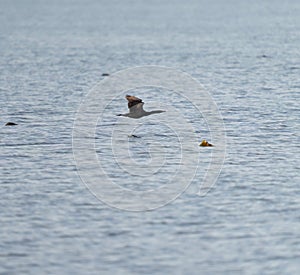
246,54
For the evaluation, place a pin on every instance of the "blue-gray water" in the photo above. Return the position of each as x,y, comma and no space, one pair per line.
246,54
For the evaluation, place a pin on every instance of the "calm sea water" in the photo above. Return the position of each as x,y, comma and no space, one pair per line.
246,54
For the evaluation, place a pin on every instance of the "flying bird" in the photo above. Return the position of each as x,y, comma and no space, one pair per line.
135,106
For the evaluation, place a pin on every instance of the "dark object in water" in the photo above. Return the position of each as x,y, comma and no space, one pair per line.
134,136
263,56
10,124
105,74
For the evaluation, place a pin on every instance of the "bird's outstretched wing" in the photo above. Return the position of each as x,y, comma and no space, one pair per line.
132,100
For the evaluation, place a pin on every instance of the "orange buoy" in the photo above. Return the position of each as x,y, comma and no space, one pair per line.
205,143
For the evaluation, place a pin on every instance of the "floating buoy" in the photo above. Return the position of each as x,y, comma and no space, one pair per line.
205,143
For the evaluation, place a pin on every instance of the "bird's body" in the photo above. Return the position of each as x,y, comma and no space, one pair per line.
135,106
